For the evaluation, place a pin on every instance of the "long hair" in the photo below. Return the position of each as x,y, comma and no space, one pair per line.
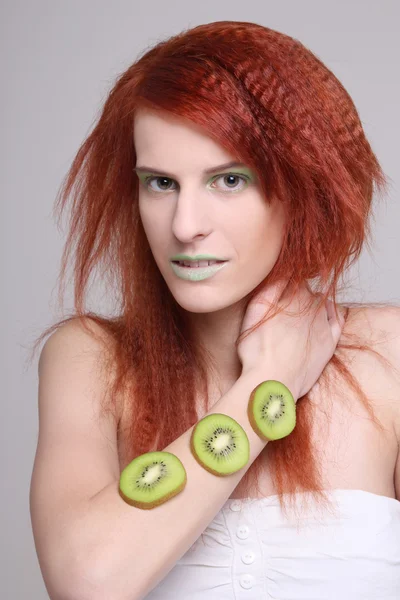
271,103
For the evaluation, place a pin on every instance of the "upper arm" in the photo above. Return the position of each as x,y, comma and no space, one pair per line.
380,325
77,451
388,321
394,356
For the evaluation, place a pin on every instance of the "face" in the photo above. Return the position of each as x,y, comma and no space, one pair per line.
190,205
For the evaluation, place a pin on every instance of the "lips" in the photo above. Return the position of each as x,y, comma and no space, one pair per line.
197,263
197,273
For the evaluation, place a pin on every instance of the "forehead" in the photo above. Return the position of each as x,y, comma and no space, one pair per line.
164,140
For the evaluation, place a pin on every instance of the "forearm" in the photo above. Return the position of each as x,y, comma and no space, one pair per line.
130,550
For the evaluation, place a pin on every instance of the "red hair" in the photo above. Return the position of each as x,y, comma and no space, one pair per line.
273,105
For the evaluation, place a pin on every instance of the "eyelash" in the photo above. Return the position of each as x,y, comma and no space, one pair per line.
228,191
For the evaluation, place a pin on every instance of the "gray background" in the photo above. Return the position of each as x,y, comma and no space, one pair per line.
58,62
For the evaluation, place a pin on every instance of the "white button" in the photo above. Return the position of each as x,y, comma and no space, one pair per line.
246,581
242,532
235,505
248,558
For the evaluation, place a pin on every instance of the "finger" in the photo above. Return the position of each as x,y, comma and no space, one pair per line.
272,293
329,309
336,321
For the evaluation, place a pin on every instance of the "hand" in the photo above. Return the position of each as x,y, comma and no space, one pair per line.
290,347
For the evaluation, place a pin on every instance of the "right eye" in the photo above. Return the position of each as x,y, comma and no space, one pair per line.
164,185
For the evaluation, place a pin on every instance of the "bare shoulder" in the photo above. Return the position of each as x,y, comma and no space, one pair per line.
78,334
379,327
376,317
87,349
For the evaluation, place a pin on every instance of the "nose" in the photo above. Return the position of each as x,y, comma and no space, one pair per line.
191,217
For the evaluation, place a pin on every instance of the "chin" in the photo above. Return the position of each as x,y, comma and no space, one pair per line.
201,307
201,302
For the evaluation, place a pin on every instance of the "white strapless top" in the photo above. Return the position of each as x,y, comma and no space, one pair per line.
250,551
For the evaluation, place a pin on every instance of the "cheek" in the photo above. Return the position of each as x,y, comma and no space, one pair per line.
271,236
259,236
152,226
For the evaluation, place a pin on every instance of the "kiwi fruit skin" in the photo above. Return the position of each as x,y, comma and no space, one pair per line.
132,472
201,437
270,431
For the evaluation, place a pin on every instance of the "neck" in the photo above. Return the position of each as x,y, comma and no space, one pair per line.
217,333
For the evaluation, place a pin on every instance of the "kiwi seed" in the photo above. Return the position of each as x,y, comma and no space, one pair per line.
272,410
220,444
151,479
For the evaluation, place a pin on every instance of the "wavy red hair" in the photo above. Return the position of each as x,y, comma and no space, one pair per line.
275,106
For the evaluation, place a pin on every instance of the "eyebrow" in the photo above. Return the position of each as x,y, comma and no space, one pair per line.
229,165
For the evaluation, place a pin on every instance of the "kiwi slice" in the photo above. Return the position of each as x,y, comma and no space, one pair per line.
151,479
272,410
220,444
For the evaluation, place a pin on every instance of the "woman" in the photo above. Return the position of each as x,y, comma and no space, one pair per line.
285,218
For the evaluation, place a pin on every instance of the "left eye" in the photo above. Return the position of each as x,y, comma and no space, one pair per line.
166,181
231,176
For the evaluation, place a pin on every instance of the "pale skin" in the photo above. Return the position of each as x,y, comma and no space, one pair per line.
203,215
185,210
87,537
